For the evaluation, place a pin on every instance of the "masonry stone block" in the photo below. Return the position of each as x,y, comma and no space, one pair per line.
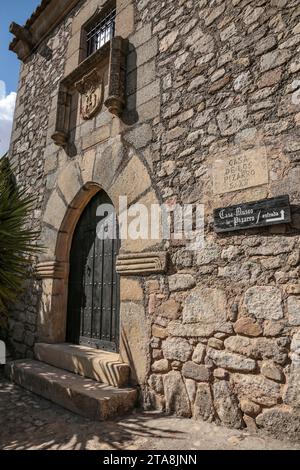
69,182
55,210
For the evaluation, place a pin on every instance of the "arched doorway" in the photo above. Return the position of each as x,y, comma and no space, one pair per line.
93,293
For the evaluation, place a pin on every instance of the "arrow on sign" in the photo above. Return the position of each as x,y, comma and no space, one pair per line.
277,219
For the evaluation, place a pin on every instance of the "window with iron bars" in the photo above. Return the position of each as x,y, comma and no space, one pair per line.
101,32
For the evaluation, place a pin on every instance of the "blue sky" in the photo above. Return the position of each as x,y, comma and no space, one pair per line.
18,11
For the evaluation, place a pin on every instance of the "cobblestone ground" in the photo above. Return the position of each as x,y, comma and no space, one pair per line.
30,422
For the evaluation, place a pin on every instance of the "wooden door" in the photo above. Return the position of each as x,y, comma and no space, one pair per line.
93,300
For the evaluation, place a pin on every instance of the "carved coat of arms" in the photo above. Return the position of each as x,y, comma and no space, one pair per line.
91,89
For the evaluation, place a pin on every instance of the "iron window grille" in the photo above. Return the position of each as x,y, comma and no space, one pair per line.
101,32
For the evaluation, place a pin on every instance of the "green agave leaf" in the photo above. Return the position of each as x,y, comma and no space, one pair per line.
18,242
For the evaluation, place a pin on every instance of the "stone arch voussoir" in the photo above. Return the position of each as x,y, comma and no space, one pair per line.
118,174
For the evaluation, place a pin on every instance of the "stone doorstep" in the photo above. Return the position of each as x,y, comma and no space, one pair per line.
82,396
102,366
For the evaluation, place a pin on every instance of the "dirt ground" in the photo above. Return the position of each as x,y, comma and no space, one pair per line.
30,422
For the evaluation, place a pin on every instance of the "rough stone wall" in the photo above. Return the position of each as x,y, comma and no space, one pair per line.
204,79
38,83
225,322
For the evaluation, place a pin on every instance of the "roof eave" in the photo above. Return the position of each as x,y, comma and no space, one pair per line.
44,19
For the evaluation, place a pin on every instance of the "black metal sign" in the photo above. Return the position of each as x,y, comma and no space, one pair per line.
253,214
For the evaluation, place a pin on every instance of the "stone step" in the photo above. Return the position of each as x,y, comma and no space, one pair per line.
78,394
102,366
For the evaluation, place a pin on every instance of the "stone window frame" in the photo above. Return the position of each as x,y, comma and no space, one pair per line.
77,64
98,15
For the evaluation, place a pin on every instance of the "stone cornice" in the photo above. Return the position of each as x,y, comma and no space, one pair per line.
45,18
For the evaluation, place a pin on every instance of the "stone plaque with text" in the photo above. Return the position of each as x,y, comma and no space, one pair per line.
244,170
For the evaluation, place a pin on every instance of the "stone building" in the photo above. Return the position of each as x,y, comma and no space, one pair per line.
174,101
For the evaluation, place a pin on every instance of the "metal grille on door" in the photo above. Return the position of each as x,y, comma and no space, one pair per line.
93,302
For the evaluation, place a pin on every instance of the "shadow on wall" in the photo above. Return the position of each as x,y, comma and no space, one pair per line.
295,210
130,115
